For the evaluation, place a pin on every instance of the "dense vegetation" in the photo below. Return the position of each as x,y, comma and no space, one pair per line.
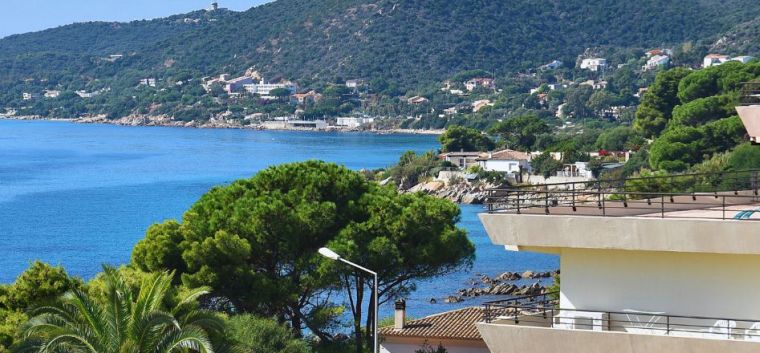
691,115
241,272
397,46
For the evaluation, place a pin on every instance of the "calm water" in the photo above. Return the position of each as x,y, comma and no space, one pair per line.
83,195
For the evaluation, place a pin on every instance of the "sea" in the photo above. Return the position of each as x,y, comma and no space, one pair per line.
81,195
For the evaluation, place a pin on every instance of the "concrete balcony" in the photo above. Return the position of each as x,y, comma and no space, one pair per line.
586,216
514,326
509,338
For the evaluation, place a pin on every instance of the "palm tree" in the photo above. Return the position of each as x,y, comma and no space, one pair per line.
123,322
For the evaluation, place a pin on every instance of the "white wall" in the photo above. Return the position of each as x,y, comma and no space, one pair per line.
503,165
712,285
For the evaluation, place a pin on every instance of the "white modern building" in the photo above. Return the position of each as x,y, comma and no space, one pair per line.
506,161
594,64
669,272
462,159
656,61
352,123
265,89
714,59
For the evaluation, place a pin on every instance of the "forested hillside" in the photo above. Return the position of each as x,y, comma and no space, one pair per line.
404,41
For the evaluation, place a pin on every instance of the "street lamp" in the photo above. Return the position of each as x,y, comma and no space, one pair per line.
335,257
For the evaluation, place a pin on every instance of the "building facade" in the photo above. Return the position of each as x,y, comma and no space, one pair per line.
667,272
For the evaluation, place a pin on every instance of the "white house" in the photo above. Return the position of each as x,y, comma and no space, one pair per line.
354,83
237,84
454,330
664,273
555,64
353,123
714,59
656,61
594,64
52,93
265,89
462,159
743,59
507,161
27,96
480,82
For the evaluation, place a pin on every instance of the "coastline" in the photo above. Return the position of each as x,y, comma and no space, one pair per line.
214,124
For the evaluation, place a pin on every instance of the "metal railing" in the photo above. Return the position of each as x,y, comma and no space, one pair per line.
750,93
543,311
720,195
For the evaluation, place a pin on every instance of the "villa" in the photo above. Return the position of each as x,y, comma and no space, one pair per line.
594,64
670,271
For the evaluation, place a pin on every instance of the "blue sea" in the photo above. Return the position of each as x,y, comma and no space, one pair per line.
82,195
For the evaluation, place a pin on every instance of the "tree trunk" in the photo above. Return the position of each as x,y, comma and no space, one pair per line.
358,314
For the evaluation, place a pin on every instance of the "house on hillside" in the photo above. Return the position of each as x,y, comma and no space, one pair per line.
27,96
506,161
655,62
354,83
310,97
52,93
237,84
417,100
454,330
594,64
714,59
480,104
555,64
661,52
596,85
743,59
480,82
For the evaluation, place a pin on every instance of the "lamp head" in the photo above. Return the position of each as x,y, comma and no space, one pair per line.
329,254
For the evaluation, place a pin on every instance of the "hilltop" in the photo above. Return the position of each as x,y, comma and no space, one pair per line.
396,47
404,41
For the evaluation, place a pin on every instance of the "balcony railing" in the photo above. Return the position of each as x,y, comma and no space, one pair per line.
750,94
543,311
726,195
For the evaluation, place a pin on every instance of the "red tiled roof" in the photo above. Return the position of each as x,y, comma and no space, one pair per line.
456,324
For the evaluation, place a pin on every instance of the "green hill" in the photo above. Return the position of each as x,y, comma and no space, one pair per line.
409,43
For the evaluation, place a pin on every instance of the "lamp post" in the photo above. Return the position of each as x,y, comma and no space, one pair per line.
335,257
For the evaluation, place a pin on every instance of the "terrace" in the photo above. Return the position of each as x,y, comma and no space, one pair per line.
642,259
543,311
724,196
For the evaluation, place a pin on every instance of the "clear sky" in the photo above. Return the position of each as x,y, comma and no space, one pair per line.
21,16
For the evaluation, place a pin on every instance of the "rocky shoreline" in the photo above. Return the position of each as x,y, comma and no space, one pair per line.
165,121
502,285
461,192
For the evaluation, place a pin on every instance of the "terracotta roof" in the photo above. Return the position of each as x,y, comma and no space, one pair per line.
456,324
506,155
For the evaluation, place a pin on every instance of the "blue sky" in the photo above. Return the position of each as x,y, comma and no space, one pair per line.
21,16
